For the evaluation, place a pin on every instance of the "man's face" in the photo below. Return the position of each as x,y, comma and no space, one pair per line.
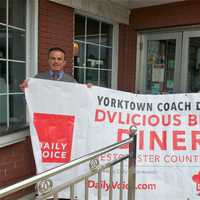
56,60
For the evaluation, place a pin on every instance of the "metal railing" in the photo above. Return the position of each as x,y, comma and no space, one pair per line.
45,186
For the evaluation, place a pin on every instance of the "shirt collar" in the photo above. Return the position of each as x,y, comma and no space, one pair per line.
59,74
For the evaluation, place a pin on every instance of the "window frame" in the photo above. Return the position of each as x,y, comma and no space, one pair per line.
31,61
141,61
114,68
186,32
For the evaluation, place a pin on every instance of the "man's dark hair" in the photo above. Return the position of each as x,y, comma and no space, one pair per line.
56,49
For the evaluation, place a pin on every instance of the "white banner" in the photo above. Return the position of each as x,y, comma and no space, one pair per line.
69,120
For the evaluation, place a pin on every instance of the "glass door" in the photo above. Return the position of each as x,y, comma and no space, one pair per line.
191,62
160,63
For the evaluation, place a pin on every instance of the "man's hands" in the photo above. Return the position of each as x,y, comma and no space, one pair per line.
89,85
23,85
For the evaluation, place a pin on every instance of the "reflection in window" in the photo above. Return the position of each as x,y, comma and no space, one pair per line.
79,74
92,56
13,65
79,28
93,51
17,13
3,113
79,52
93,31
16,44
194,65
106,34
160,66
17,113
106,58
105,78
2,42
92,76
3,78
17,73
3,10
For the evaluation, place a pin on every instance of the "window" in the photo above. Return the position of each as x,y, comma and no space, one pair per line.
93,49
12,64
169,62
158,71
160,66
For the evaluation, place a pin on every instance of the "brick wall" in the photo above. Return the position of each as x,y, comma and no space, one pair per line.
16,163
126,58
169,15
164,16
55,29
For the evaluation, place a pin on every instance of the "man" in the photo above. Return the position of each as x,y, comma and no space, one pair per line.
57,62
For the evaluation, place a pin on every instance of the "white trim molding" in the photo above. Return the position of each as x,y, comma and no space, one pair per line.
32,38
115,56
13,138
31,64
104,8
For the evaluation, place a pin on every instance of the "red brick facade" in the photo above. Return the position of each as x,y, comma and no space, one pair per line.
126,58
55,30
170,15
154,17
16,163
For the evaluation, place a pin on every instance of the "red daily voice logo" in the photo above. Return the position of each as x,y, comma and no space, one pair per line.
55,133
196,179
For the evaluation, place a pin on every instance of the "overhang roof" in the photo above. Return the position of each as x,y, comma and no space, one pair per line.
114,10
130,4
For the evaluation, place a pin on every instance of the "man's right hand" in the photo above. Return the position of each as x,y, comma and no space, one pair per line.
23,85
